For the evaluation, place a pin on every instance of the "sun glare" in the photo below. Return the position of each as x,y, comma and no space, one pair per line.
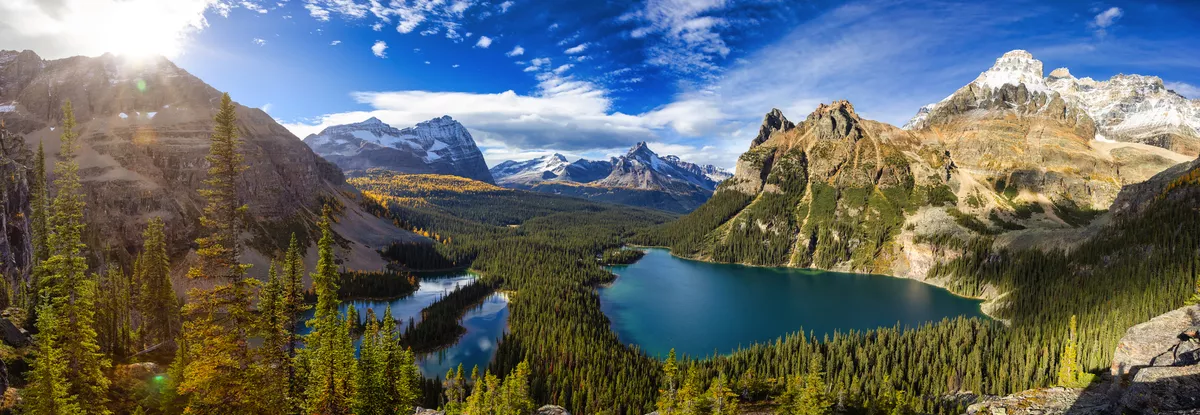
136,29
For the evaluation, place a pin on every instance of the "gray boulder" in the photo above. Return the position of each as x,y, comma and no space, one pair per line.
552,410
1153,343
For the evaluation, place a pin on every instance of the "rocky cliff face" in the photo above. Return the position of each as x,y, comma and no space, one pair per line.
144,130
440,146
16,251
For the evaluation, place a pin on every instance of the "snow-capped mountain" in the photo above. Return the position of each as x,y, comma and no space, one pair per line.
1129,108
641,168
554,167
640,177
441,145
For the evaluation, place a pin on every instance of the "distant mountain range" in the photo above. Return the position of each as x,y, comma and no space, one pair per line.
438,146
640,177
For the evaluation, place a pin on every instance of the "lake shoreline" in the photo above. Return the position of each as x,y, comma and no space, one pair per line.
985,307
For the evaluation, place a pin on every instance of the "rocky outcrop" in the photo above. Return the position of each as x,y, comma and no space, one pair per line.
16,251
1154,343
552,410
438,146
1044,402
773,122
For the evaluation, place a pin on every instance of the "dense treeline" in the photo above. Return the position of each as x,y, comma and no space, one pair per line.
621,256
375,284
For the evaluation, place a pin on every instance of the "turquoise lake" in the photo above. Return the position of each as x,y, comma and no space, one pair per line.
663,302
485,323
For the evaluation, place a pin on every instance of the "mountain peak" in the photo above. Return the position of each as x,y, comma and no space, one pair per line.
772,122
1014,68
837,120
640,149
372,121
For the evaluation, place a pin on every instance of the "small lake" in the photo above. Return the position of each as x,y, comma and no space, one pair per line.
663,302
485,323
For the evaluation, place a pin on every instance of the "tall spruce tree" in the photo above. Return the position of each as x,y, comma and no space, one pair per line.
400,369
156,303
274,364
329,351
293,307
372,392
66,284
217,378
668,396
39,226
46,393
722,398
113,318
1068,362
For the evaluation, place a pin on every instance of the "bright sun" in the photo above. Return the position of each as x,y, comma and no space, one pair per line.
133,28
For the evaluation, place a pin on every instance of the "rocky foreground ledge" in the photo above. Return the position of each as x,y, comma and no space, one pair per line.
1153,372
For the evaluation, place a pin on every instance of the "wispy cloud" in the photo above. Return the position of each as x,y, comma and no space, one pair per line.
1105,19
1187,90
379,49
259,41
687,36
254,7
335,43
484,42
577,49
504,6
516,51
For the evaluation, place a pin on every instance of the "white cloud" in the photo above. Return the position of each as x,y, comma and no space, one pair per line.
378,27
62,28
266,108
484,42
259,41
379,49
426,62
538,120
254,7
517,51
577,49
454,65
1187,90
688,40
537,64
504,6
1105,19
335,43
559,70
553,27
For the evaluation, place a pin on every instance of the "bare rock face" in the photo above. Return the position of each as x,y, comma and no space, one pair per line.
1044,402
1155,390
145,128
16,251
772,122
1151,344
552,410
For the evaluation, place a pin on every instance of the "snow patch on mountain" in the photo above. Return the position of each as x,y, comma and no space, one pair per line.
639,168
440,145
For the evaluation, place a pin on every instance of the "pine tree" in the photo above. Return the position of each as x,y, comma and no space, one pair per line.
46,393
1068,362
515,400
724,401
400,371
329,350
217,378
692,400
293,307
114,320
455,389
174,400
66,285
38,225
372,392
668,395
157,303
807,394
274,362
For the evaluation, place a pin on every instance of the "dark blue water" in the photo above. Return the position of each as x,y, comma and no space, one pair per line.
485,323
663,302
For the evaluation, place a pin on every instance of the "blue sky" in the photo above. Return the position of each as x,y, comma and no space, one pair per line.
590,78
